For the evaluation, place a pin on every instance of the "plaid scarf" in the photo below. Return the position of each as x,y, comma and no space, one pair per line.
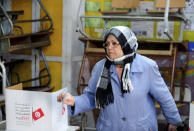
128,42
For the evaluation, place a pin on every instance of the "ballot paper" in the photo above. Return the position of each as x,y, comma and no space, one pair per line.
35,111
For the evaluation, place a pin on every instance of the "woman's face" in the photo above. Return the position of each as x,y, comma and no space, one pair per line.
113,48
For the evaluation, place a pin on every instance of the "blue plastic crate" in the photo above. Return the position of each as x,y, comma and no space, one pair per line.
191,46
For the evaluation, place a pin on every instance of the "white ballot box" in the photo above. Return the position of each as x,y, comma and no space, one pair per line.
191,117
35,111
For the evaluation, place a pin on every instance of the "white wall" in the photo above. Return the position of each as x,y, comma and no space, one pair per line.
73,50
72,47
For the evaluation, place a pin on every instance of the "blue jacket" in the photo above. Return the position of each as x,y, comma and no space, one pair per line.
136,110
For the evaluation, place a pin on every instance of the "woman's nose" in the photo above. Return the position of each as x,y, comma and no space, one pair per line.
110,46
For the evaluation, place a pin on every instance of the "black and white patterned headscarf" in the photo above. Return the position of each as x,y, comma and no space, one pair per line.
128,42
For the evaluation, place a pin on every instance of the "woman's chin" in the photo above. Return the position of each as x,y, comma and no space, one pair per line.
112,57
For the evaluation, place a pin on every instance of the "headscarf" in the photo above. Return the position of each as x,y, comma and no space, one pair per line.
128,42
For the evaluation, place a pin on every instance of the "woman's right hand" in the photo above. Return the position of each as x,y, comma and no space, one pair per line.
69,99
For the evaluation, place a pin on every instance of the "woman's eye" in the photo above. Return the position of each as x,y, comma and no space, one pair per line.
105,44
114,43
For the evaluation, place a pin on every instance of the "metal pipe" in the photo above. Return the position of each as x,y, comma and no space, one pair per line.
166,20
78,11
83,33
81,30
182,25
7,16
47,14
127,17
3,76
35,20
45,63
166,15
167,33
79,22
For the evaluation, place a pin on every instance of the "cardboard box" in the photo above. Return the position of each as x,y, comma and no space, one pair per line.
34,111
191,117
125,4
173,4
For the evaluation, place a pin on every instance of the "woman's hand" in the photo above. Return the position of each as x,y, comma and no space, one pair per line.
172,127
69,99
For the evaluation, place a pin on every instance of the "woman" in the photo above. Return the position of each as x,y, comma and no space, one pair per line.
124,86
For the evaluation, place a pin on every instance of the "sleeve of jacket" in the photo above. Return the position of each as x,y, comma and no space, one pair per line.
161,93
86,101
